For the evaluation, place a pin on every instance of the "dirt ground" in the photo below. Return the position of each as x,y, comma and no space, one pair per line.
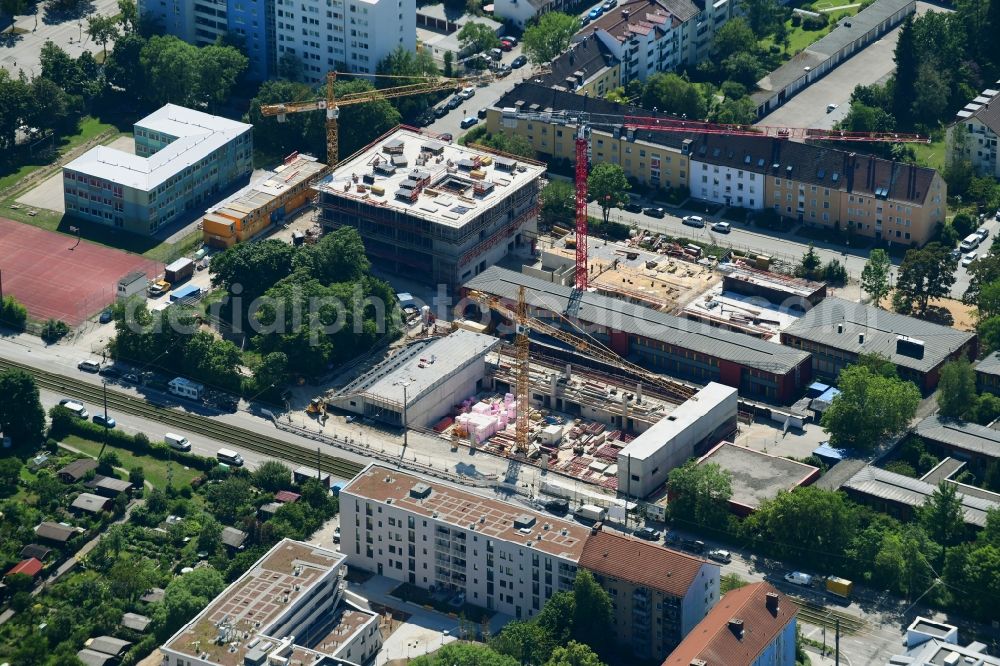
962,313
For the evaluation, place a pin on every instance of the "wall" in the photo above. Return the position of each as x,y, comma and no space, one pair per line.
727,185
781,651
979,145
700,598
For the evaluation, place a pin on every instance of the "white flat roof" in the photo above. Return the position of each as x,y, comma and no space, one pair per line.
667,428
198,135
449,197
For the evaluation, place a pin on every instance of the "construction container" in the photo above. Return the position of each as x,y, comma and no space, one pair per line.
840,587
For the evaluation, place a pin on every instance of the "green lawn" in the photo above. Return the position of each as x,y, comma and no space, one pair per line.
154,468
89,128
821,5
799,38
930,154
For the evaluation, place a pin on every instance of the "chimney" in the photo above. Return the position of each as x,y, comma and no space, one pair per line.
596,528
840,328
638,393
625,14
861,338
736,626
771,601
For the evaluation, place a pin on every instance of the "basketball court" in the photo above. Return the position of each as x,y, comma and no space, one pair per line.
57,277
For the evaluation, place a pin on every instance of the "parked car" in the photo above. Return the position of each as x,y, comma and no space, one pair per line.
595,13
956,254
481,114
648,534
609,5
108,423
131,377
584,20
106,316
799,578
633,207
694,545
111,372
983,233
502,70
830,108
336,535
720,555
446,136
519,62
654,212
722,227
506,45
454,102
508,38
89,365
467,93
969,258
557,506
495,54
440,111
693,221
469,121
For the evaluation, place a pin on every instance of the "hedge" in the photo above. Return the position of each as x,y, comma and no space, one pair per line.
64,422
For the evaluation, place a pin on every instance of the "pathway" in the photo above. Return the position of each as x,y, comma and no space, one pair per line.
835,9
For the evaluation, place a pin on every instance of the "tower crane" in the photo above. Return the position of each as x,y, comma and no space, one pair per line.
331,103
524,324
583,121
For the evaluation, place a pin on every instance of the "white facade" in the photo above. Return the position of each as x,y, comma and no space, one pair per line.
342,34
644,464
727,185
973,135
436,536
520,12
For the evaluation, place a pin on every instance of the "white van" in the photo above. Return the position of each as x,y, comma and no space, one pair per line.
229,457
77,409
179,442
95,366
970,243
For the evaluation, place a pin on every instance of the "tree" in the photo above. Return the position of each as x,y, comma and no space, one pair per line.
942,515
592,613
700,494
864,118
210,535
290,67
763,17
13,8
931,92
408,68
869,409
809,264
740,111
609,187
338,257
137,477
924,274
875,276
744,67
956,389
527,642
170,70
301,131
219,68
183,597
556,617
906,70
549,37
734,37
229,498
674,94
810,525
574,654
128,15
989,334
13,103
465,654
272,476
10,474
449,64
123,67
477,37
102,29
878,364
21,415
558,200
12,313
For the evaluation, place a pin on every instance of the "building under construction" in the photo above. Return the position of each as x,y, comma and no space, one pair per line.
433,209
661,342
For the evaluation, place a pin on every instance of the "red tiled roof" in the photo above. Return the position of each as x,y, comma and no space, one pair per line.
29,567
717,645
286,496
640,562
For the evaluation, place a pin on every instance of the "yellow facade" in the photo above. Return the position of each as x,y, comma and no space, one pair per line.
599,85
816,205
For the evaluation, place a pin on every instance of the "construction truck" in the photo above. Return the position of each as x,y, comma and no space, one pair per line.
157,288
840,587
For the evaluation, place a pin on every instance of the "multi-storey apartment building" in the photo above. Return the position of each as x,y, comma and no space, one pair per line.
290,607
658,595
973,134
434,535
182,159
319,35
588,67
436,211
520,12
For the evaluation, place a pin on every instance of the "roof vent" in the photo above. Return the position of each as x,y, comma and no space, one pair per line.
861,338
736,626
771,601
420,491
698,662
524,521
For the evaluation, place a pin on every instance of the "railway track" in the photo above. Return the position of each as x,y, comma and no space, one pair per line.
821,616
189,423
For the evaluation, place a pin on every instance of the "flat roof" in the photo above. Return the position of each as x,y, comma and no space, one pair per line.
255,602
666,429
775,281
421,368
466,510
931,628
450,184
639,320
266,189
881,330
198,136
970,437
881,483
757,476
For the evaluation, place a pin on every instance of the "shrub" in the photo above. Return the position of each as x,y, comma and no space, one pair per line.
13,314
902,467
796,20
815,22
53,330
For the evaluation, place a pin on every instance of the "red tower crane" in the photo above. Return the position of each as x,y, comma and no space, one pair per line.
584,120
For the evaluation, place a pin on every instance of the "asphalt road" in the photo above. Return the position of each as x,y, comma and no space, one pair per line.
780,245
21,51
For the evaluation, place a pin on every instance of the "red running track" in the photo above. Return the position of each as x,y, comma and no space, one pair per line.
53,281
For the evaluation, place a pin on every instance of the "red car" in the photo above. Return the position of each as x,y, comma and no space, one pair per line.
506,45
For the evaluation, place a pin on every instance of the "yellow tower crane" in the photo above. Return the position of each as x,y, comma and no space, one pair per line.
331,104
